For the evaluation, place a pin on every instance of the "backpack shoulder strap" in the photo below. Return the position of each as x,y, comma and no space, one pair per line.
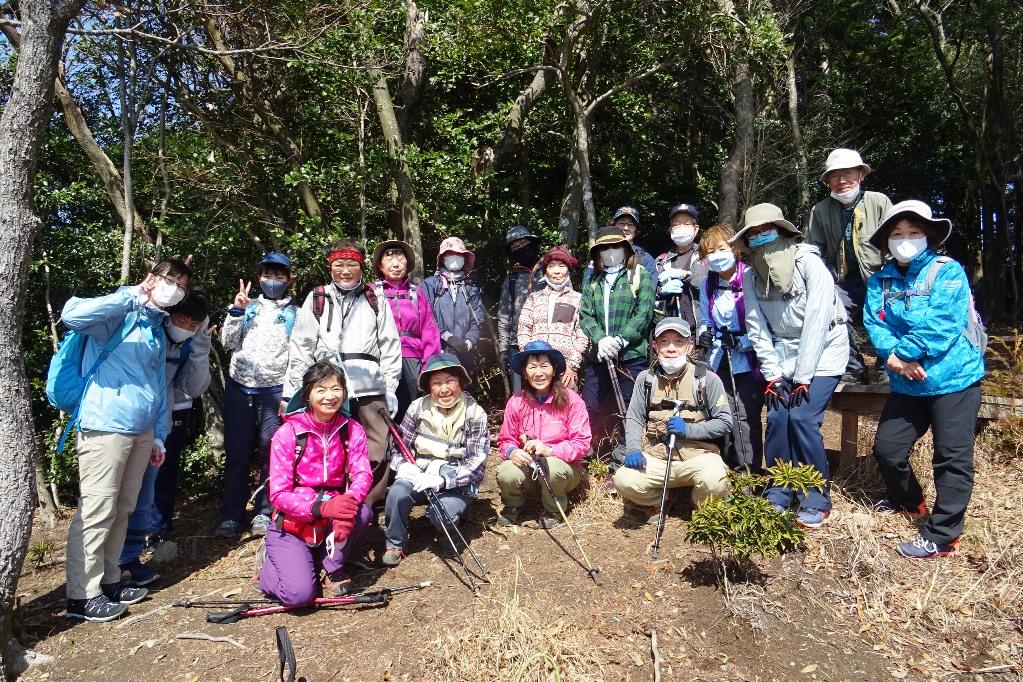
371,297
413,294
635,280
289,320
300,442
250,313
932,274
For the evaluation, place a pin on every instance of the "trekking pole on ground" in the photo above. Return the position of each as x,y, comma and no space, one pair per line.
538,466
612,369
656,546
204,603
445,519
740,451
246,610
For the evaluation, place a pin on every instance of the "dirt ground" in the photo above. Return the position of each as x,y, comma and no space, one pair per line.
843,608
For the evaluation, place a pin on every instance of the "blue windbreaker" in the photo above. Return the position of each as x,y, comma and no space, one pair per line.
128,393
927,329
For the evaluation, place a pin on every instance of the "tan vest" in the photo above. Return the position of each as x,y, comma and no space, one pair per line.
681,388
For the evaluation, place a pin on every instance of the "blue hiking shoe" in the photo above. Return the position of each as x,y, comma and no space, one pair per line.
138,574
922,548
812,518
99,609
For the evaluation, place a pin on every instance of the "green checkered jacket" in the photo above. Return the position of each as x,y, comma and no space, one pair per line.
630,314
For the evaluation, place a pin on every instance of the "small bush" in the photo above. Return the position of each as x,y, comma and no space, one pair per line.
202,469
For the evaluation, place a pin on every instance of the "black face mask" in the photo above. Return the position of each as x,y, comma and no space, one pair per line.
525,255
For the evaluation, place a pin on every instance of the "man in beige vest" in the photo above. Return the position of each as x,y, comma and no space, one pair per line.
680,397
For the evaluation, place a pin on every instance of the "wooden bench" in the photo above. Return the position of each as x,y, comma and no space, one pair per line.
853,400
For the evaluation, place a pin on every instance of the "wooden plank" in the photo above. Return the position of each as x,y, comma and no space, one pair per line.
850,436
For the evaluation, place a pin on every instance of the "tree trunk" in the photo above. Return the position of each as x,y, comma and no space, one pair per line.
732,170
415,66
402,176
581,142
797,137
571,205
126,90
22,125
363,104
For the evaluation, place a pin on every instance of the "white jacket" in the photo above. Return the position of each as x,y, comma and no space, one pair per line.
801,335
350,334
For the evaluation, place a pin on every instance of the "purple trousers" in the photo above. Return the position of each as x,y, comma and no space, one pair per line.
290,572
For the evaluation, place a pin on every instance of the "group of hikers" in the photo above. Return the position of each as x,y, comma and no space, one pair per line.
359,405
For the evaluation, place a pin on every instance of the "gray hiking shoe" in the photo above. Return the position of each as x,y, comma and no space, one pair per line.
99,609
392,557
260,524
120,593
509,516
228,528
549,522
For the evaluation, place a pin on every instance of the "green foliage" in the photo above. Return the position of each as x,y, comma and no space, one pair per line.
37,552
202,469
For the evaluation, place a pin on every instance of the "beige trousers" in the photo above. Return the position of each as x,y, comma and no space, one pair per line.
515,483
706,473
110,470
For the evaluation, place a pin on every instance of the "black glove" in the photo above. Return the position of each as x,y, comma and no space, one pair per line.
729,340
705,339
800,394
776,395
458,344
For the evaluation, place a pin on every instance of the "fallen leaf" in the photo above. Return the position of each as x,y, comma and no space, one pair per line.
232,593
636,659
809,669
899,674
648,596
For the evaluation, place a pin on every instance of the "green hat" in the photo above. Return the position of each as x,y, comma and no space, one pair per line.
440,361
610,235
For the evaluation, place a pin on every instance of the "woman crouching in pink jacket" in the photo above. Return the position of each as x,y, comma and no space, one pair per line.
544,421
319,477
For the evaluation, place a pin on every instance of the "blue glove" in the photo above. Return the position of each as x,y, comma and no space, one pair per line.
677,426
635,460
673,287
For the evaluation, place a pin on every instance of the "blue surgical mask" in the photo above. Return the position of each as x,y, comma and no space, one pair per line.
273,289
719,261
762,239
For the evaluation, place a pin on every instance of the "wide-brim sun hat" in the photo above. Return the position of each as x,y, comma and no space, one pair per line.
442,361
378,253
762,214
539,348
457,246
610,235
911,207
840,159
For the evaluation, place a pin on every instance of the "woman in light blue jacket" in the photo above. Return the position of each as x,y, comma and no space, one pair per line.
123,423
920,316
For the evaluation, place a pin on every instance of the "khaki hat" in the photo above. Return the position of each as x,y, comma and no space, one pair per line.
378,253
844,158
761,214
610,235
879,240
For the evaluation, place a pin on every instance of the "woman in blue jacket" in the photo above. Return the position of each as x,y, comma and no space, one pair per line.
123,421
920,317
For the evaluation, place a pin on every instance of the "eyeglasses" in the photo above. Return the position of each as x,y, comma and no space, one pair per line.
177,284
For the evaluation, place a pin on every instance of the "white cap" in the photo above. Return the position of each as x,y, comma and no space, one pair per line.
844,158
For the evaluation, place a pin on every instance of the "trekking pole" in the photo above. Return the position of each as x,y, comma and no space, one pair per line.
538,466
203,603
741,452
656,546
246,611
440,511
616,387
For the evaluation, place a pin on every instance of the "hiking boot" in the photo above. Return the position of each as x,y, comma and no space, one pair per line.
652,515
99,609
549,522
393,556
922,548
260,523
124,594
917,514
509,516
336,584
812,518
138,574
228,528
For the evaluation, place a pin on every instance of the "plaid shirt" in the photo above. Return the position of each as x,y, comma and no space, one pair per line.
470,469
629,313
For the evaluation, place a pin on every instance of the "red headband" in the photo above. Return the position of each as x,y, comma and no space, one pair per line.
348,254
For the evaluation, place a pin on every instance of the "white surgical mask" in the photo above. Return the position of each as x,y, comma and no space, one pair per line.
612,258
719,261
683,236
846,197
178,334
905,250
454,263
560,286
166,294
673,365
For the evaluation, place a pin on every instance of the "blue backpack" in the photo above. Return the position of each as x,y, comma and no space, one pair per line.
65,382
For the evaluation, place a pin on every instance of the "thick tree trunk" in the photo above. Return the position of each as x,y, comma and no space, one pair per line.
402,176
581,142
22,125
732,170
415,68
571,205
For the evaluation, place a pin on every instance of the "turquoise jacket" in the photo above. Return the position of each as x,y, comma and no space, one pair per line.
128,394
927,329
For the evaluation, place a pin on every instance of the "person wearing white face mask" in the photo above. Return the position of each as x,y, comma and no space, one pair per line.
841,226
920,316
552,314
457,301
680,272
124,420
681,398
617,309
627,218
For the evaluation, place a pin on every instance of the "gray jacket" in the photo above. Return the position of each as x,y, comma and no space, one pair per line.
827,227
514,290
188,380
718,424
801,335
350,334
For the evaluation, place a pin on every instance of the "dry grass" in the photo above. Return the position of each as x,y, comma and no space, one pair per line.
509,636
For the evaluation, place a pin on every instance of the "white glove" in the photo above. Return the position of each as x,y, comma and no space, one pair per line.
408,472
392,404
670,273
428,482
607,348
672,287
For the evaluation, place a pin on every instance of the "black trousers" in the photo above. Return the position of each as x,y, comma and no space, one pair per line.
952,418
746,450
853,295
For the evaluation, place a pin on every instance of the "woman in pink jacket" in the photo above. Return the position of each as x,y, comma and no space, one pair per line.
544,420
319,477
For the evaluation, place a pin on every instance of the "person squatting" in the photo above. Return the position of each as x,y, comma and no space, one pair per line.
356,403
